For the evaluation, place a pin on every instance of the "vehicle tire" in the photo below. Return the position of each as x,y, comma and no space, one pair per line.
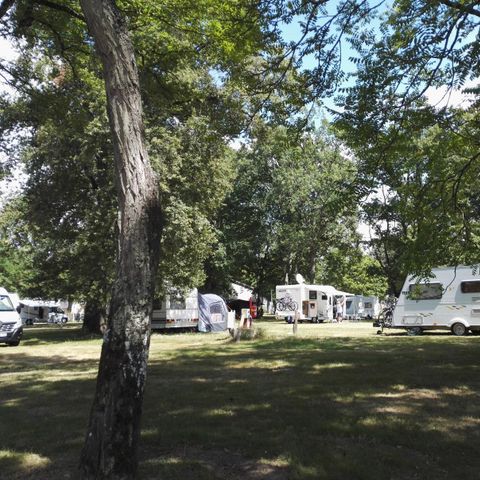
64,320
293,306
16,343
414,331
459,329
280,306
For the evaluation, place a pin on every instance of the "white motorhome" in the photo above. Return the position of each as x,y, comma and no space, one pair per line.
32,311
314,303
11,329
449,300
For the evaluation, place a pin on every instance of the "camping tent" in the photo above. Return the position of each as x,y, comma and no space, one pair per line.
212,313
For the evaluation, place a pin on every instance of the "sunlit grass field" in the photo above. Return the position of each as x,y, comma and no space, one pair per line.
336,401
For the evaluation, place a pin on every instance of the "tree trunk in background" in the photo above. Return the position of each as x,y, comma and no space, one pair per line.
111,445
94,320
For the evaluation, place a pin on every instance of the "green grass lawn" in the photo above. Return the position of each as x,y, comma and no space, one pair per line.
335,402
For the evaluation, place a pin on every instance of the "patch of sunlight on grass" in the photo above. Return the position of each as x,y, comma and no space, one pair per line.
310,471
164,461
26,461
396,409
376,421
13,402
257,406
327,366
220,412
281,461
413,394
50,376
454,429
238,380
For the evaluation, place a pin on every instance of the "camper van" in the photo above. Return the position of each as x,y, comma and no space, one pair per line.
450,300
315,303
32,311
191,310
11,329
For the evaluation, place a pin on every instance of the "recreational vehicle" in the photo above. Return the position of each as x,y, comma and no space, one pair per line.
207,313
449,300
354,307
314,303
11,328
371,308
176,310
32,311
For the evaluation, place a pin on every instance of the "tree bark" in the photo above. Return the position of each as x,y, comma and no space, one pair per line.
94,318
111,445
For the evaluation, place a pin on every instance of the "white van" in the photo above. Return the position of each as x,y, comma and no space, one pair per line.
11,329
449,300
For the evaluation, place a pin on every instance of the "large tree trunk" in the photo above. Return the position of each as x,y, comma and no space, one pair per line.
110,449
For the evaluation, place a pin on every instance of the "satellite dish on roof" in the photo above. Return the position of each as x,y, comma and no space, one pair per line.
299,278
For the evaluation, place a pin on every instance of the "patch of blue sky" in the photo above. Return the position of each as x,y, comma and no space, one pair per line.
293,33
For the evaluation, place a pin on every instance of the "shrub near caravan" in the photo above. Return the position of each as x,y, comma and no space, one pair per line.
449,300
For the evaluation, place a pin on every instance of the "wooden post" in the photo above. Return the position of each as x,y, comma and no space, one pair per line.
295,321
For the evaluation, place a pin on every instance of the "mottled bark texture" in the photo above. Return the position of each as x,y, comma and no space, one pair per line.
111,444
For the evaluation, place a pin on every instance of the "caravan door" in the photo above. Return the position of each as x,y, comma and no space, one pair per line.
324,306
312,304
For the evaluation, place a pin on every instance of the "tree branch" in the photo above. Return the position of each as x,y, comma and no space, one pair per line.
463,8
61,8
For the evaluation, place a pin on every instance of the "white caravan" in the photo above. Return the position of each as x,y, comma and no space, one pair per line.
182,310
371,308
313,302
176,310
354,307
11,329
450,300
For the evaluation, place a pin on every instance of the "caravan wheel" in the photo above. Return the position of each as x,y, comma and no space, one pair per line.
459,329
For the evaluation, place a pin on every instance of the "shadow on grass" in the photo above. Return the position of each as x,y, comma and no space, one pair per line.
50,334
329,408
333,408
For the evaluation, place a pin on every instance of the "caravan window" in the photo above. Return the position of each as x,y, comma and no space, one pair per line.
368,305
312,295
425,291
472,286
216,308
5,304
177,302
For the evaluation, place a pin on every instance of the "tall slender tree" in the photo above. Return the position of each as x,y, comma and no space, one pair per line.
111,444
